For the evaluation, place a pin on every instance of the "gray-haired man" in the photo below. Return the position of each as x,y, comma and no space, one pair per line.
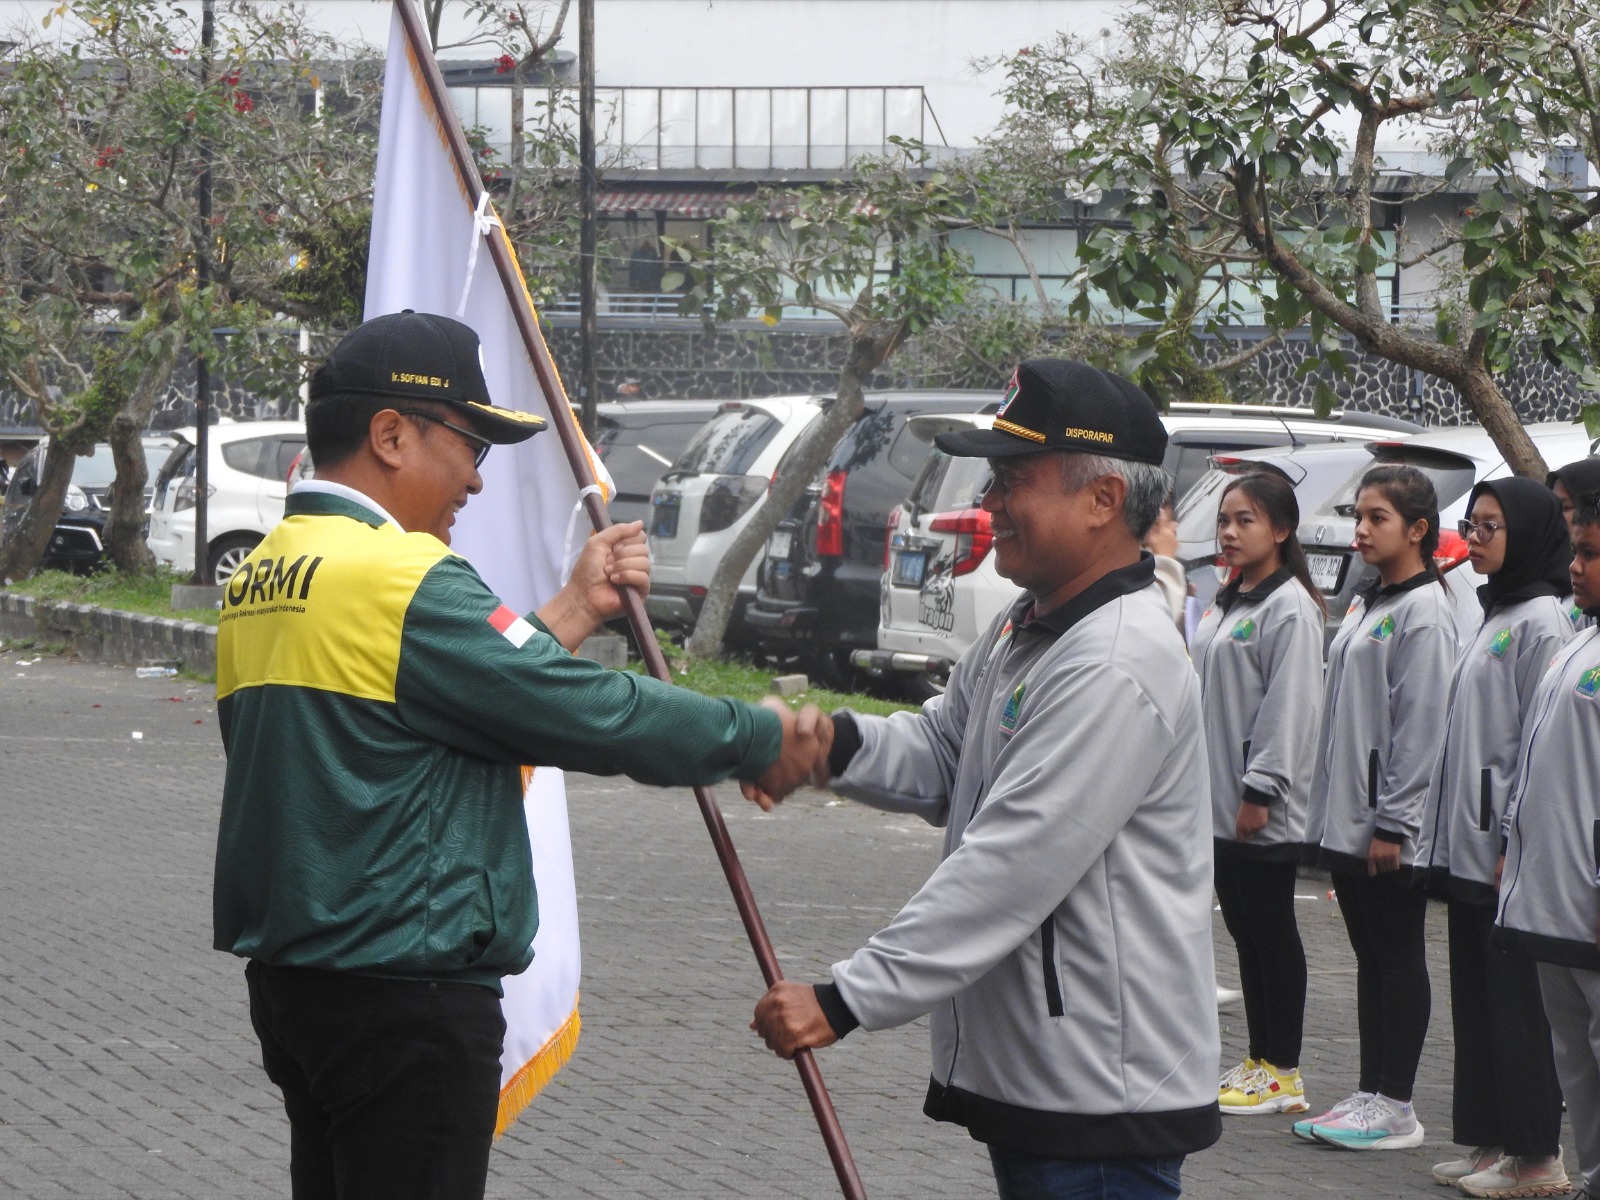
1063,945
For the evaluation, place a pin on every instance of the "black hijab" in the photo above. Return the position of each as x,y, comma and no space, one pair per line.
1538,546
1579,478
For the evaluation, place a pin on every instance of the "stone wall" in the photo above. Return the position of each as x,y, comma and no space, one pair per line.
678,358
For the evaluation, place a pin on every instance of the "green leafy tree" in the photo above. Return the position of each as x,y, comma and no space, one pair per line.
1235,148
871,251
108,130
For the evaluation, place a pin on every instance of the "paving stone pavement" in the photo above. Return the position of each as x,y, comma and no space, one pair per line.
128,1067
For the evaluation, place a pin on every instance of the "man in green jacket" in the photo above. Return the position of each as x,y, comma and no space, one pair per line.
377,702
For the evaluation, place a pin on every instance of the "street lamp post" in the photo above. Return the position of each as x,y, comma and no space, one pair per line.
586,200
202,366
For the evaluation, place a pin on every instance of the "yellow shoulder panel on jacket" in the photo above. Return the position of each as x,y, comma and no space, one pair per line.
321,603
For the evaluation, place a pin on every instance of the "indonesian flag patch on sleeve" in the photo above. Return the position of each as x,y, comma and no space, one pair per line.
510,626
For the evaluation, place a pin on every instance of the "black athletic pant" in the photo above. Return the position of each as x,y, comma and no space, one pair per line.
1506,1092
1257,901
1384,918
391,1086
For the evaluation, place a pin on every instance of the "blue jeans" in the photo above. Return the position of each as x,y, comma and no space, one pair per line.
1024,1176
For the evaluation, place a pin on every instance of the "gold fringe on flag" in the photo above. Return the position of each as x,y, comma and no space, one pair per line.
536,1072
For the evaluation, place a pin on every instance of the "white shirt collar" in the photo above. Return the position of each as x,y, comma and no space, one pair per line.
328,487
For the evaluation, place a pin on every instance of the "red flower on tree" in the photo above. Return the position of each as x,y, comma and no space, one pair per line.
504,63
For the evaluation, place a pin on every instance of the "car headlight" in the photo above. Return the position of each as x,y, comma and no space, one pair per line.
77,500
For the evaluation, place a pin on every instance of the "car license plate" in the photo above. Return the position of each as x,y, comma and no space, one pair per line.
779,545
909,566
664,521
1325,570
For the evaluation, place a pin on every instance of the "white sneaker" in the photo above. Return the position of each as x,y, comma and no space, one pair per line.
1378,1124
1479,1159
1519,1176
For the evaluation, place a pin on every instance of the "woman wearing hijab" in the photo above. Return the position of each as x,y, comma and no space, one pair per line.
1571,481
1507,1109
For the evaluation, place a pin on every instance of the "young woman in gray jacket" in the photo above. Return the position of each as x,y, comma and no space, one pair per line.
1382,726
1507,1103
1258,651
1550,888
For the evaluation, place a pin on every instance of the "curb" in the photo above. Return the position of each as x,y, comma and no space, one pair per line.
109,634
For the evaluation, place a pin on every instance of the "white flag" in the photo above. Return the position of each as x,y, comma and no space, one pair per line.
429,254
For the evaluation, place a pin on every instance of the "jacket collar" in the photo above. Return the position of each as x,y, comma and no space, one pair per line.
1231,594
1373,590
319,503
1123,581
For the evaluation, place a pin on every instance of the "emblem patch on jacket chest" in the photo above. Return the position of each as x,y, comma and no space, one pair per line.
1008,715
1243,630
1589,683
1383,629
1500,644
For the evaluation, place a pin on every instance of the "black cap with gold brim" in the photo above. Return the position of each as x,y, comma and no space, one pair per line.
1060,404
420,356
501,425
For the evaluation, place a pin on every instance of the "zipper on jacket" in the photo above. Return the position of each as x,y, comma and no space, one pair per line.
1047,961
1485,800
1372,779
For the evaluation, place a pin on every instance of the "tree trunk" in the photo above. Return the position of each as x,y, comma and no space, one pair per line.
1500,421
20,553
125,525
800,467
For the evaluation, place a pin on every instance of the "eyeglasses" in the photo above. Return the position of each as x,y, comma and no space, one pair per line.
1483,531
480,445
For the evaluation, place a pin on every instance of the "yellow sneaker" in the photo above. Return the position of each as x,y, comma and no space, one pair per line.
1237,1075
1265,1090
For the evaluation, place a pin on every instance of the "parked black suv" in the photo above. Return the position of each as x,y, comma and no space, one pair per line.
817,588
77,543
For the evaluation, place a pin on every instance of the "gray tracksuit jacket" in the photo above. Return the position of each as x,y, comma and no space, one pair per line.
1550,892
1063,944
1259,657
1382,721
1493,689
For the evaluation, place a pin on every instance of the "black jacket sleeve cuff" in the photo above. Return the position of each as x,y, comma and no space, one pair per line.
840,1018
1257,796
846,741
1391,836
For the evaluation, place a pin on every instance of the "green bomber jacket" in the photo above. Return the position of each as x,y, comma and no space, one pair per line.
377,703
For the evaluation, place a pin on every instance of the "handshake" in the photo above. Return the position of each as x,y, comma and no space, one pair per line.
807,740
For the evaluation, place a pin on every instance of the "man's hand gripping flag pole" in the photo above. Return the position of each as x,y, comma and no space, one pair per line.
544,369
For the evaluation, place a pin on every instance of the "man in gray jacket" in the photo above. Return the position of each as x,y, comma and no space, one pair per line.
1063,945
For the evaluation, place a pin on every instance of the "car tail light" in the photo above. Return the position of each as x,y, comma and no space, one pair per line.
1223,569
185,497
888,533
830,515
1452,551
727,498
974,536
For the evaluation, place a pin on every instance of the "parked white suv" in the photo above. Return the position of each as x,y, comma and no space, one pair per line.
940,587
709,494
247,483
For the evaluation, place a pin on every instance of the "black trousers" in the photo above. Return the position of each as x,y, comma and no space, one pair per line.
1506,1092
1384,918
1257,901
391,1086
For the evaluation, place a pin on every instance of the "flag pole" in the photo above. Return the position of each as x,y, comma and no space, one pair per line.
544,370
